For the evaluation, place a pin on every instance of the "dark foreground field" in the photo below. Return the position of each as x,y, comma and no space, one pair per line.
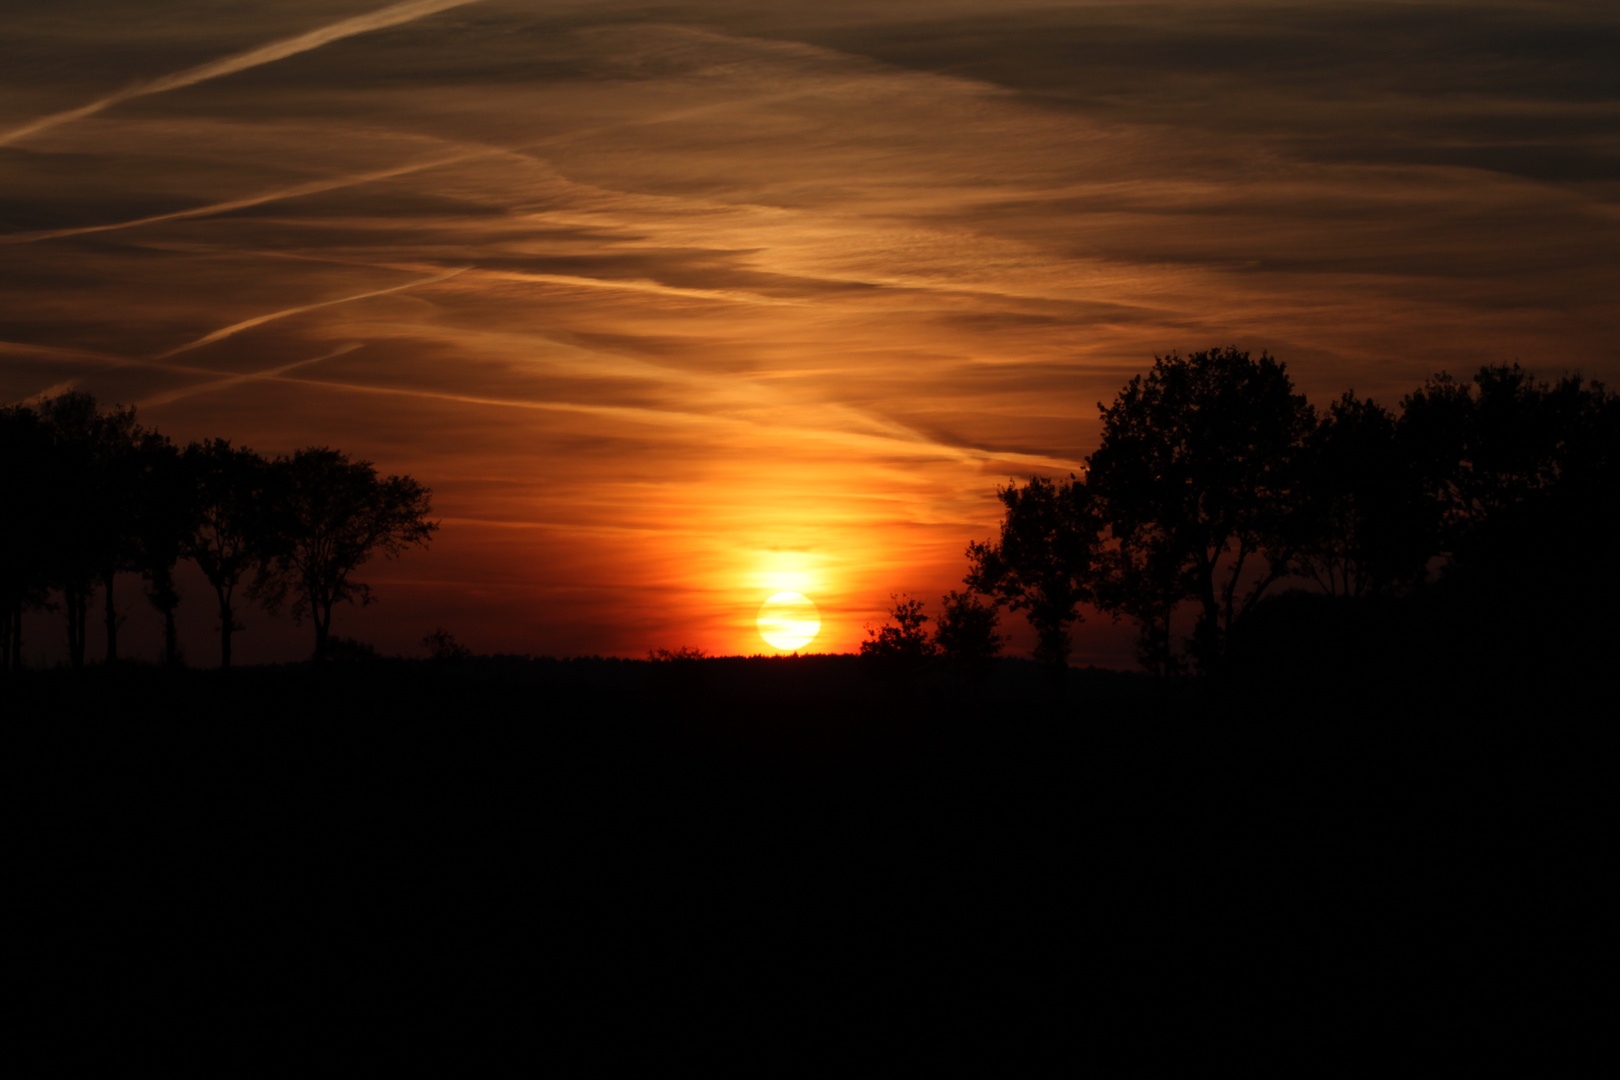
733,840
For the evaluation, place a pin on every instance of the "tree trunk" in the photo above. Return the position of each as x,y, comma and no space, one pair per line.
75,600
227,623
160,591
5,639
171,639
323,626
1053,650
111,619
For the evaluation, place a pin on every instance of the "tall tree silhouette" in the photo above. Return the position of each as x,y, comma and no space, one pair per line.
1198,469
1043,563
25,496
900,646
1364,525
1144,582
165,523
336,514
966,634
92,493
231,534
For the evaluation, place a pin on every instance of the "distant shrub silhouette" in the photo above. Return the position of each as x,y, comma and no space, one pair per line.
901,646
682,673
346,650
684,654
443,647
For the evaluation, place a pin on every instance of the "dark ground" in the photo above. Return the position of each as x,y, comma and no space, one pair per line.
734,838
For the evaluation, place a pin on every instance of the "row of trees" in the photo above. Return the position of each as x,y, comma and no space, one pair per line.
1215,480
88,494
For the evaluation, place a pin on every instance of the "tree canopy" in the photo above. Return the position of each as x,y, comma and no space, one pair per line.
334,516
233,525
1043,561
1214,480
1199,467
89,494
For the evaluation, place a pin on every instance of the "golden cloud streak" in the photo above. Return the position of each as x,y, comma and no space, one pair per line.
393,15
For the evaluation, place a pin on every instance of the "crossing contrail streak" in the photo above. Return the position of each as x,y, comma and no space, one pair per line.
249,376
392,15
248,324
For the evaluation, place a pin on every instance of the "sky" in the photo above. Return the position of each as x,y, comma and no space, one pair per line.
678,305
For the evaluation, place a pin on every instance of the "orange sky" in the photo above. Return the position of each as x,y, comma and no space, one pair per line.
676,311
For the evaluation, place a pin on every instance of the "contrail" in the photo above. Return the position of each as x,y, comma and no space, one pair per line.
735,296
312,187
880,439
393,15
248,324
250,376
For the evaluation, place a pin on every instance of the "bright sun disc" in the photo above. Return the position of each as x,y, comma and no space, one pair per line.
789,621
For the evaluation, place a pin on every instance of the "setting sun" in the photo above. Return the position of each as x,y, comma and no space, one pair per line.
789,621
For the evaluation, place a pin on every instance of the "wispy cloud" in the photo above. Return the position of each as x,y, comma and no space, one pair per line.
259,320
755,295
393,15
283,194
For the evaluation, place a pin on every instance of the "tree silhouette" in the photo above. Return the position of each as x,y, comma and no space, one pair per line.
1199,470
1044,561
1364,525
86,494
93,459
1489,446
900,646
1144,582
165,522
231,524
443,647
335,514
25,493
966,634
1525,477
